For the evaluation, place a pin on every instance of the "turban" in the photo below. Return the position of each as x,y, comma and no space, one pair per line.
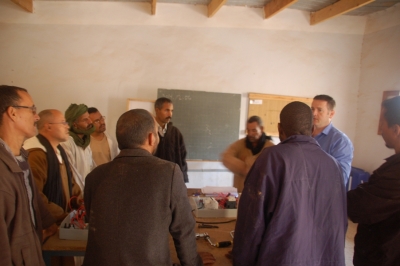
74,111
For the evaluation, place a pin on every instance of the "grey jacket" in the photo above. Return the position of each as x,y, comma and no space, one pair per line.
133,203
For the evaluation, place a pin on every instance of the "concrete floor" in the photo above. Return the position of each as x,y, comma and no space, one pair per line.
349,246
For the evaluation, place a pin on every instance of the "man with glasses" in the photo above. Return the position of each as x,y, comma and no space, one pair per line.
50,166
104,148
77,146
22,212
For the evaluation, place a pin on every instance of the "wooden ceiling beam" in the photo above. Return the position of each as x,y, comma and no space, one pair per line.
336,9
153,6
214,6
25,4
275,6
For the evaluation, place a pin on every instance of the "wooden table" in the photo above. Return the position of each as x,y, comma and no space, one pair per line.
59,247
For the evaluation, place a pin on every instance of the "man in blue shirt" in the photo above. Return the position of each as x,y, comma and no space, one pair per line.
331,140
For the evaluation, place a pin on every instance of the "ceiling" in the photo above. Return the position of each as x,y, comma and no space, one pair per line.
320,10
304,5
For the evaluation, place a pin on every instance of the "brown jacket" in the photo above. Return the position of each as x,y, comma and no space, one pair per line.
38,161
20,239
239,159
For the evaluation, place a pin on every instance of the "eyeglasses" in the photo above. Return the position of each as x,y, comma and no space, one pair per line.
32,108
98,120
60,123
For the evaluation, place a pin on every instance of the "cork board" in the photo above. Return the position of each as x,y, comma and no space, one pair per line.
269,106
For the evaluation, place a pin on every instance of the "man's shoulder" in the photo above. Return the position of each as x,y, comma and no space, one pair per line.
334,132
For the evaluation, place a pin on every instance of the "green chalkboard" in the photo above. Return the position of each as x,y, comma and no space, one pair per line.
208,121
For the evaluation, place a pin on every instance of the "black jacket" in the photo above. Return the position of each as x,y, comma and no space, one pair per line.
172,148
375,205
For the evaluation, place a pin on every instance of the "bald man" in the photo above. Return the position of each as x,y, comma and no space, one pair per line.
293,206
50,165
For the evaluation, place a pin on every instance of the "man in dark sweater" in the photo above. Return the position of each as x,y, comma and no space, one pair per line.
375,205
172,147
136,201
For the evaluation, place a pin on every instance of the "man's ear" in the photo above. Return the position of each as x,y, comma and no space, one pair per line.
282,135
10,112
331,114
151,139
396,130
262,128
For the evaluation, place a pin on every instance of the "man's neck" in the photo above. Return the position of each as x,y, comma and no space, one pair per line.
318,130
98,135
161,124
13,142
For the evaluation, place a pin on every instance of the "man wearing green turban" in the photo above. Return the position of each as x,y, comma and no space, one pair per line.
77,147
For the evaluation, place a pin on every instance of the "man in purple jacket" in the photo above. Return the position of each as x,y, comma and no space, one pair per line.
293,206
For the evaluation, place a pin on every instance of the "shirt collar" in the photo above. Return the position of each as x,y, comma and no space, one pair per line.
162,130
327,129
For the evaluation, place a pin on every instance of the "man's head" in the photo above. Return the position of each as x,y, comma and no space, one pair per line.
98,120
296,119
52,126
18,110
323,110
390,123
164,109
137,129
254,128
78,119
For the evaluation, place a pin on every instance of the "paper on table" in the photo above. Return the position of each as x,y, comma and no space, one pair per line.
217,190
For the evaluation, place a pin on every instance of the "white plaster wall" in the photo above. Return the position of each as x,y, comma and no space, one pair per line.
380,71
101,53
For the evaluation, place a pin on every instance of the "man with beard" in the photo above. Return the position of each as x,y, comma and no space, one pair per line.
104,148
77,146
147,195
241,155
171,147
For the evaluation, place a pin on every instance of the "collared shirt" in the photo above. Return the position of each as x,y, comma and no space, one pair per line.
162,130
339,146
23,164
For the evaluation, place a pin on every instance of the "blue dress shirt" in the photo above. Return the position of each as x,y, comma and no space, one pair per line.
339,146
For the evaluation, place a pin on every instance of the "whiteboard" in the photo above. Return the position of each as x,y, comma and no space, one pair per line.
141,104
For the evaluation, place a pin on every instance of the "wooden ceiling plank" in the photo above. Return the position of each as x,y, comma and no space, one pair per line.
214,6
275,6
25,4
336,9
153,6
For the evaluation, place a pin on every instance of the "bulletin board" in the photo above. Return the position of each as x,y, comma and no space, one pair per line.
141,104
269,107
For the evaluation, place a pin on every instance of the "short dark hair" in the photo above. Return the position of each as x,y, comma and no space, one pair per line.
133,127
392,110
160,102
92,110
8,97
327,98
296,119
255,118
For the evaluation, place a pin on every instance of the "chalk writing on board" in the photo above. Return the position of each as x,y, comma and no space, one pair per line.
208,121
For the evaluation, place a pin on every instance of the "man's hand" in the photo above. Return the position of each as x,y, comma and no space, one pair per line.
48,232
